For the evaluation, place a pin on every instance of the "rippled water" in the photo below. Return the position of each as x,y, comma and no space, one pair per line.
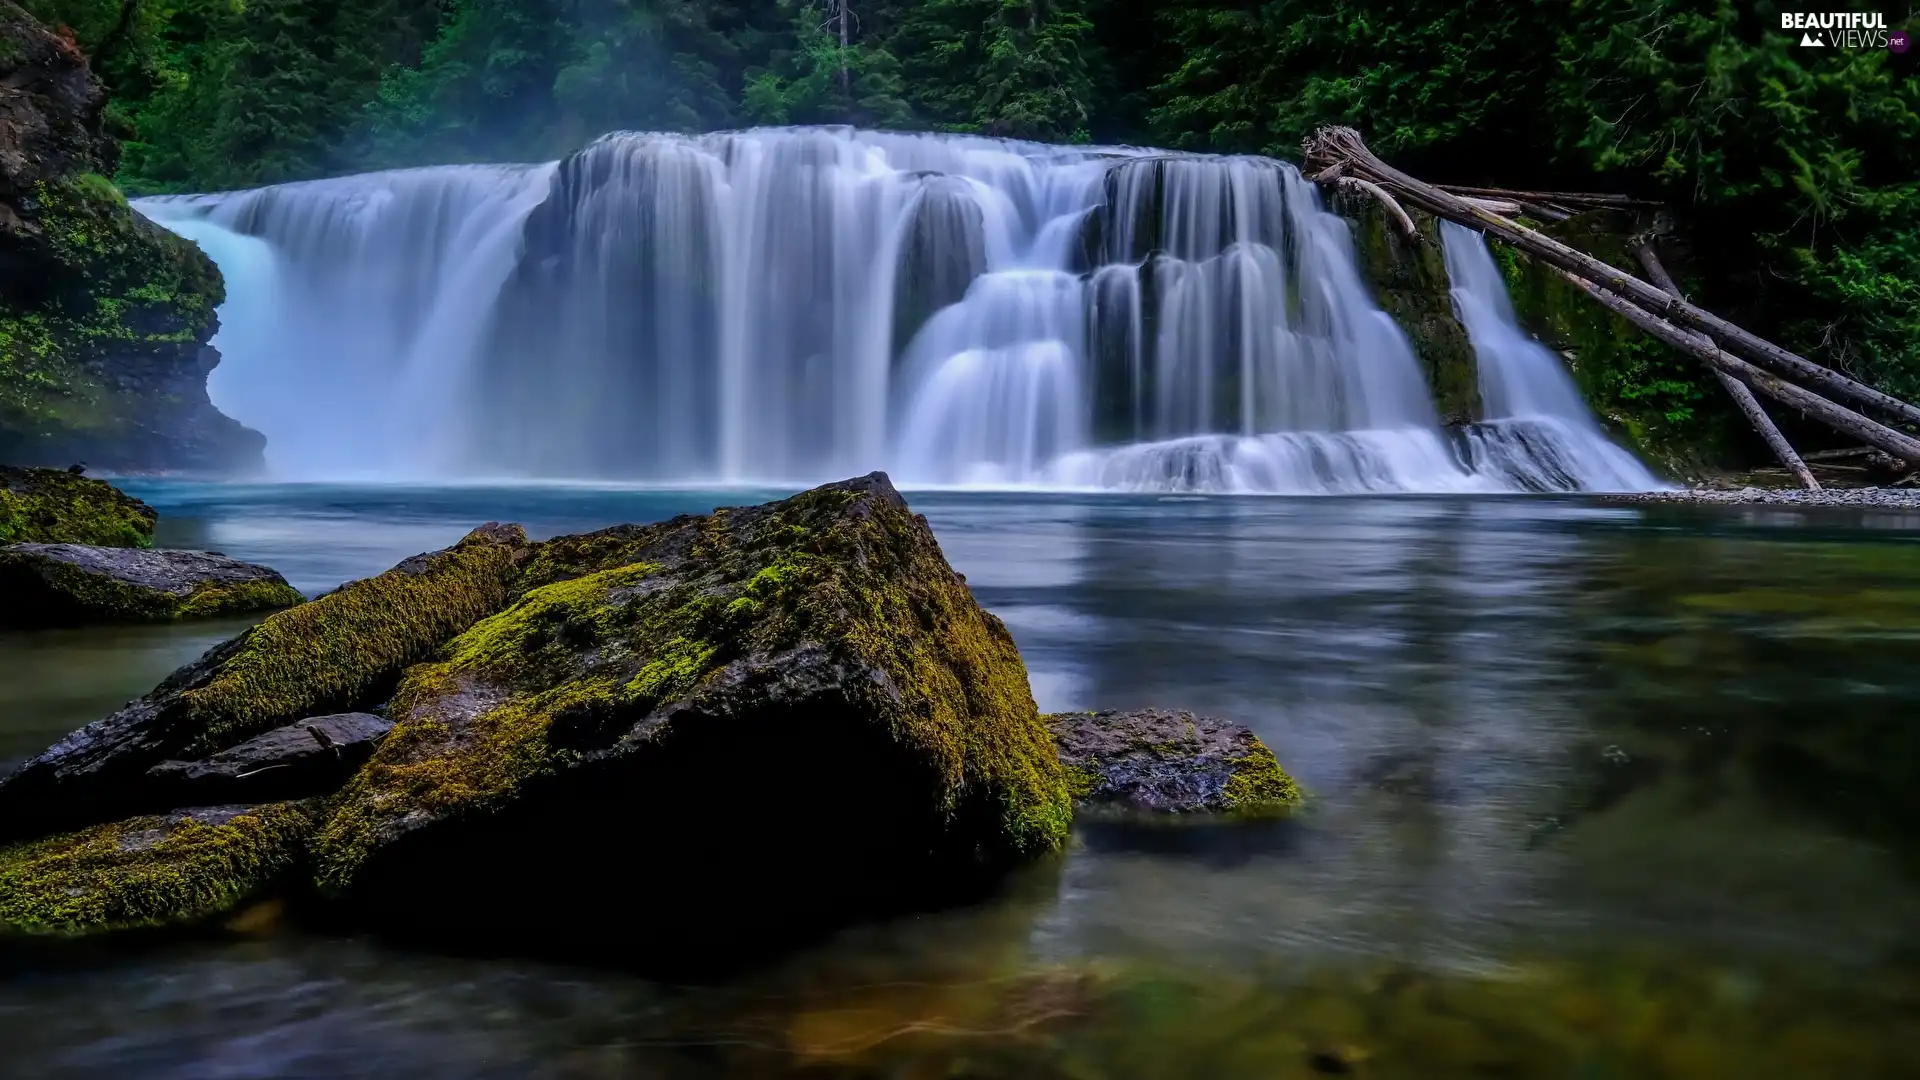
1597,792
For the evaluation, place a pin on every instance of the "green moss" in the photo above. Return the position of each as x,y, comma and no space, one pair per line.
52,506
1259,787
148,871
334,651
613,644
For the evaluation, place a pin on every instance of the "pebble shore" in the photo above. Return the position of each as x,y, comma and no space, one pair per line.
1900,498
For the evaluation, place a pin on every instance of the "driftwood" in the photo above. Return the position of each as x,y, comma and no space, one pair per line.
1399,213
1562,198
1342,147
1837,417
1742,397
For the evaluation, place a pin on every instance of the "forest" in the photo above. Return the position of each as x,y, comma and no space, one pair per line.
1792,174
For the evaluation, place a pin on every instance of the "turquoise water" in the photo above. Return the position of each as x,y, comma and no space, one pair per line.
1597,791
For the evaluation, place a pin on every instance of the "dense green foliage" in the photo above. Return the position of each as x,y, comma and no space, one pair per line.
1792,172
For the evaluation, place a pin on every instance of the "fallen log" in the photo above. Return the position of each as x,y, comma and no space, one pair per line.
1399,213
1343,147
1564,198
1742,397
1837,417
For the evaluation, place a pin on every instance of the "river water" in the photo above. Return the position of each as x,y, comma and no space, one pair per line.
1597,792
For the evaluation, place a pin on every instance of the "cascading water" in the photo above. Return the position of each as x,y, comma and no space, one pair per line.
794,304
1538,429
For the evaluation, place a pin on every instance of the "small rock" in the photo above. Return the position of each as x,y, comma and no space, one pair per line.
309,757
149,871
1152,761
69,584
56,506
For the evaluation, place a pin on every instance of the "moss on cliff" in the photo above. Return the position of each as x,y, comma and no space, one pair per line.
1410,283
336,651
1666,405
828,624
112,285
148,871
52,506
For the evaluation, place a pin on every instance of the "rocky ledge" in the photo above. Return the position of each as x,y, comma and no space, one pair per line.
71,584
1152,762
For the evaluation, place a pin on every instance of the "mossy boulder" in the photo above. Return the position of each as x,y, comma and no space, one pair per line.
70,584
733,726
1152,762
54,506
341,652
164,870
309,757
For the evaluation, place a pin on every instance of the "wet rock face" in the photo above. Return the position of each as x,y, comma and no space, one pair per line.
342,651
767,717
55,506
105,317
309,757
1154,762
69,584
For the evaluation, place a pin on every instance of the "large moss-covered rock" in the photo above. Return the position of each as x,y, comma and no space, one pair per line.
105,317
149,871
744,723
69,584
1153,762
341,652
54,506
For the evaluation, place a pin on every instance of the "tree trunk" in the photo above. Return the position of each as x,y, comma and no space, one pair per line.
1837,417
1742,397
1342,146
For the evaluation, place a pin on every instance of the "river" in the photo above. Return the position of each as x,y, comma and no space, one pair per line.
1596,791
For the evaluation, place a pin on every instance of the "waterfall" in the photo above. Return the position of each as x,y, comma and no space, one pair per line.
785,305
1538,431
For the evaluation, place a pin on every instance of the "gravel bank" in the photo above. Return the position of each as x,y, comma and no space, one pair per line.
1901,498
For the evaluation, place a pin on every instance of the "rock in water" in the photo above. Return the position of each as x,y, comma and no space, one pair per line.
308,757
716,729
68,584
340,652
149,871
48,506
1153,762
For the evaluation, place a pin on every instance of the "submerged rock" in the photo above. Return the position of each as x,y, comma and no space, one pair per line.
54,506
739,725
65,584
148,871
311,757
340,652
1152,761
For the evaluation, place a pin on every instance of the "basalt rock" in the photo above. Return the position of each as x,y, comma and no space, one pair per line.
341,652
309,757
719,728
1152,762
68,584
163,870
55,506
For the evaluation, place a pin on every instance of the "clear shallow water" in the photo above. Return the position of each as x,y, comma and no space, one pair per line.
1597,792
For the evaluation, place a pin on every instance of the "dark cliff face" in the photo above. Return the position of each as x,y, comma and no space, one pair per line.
104,316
